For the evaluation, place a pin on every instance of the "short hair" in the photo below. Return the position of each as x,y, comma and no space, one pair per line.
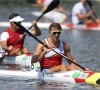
13,15
56,25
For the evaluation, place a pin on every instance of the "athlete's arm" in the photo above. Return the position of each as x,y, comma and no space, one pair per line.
83,16
37,31
61,9
3,40
39,53
67,52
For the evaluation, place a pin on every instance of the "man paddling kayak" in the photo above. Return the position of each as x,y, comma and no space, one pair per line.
49,60
81,13
13,34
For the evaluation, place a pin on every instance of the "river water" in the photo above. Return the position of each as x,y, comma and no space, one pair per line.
84,45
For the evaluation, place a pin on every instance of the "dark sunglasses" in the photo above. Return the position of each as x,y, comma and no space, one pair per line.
56,32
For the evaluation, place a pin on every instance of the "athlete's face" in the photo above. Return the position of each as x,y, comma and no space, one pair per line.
15,26
55,33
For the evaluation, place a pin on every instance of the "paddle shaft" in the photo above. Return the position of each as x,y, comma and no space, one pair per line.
45,44
69,59
90,4
51,6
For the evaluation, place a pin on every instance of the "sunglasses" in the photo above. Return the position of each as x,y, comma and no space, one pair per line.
56,33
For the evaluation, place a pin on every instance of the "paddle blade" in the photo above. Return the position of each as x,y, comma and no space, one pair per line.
51,6
98,81
90,4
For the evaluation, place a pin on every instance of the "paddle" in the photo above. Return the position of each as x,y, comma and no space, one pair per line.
19,25
90,4
51,6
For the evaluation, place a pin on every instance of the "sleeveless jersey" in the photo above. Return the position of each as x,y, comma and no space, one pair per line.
14,36
52,59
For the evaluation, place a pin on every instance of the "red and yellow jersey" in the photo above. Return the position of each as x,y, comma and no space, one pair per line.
52,59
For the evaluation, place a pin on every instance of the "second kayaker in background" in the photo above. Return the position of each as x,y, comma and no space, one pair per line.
82,14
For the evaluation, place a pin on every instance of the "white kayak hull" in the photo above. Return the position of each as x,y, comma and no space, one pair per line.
75,76
56,16
65,26
33,72
23,61
55,77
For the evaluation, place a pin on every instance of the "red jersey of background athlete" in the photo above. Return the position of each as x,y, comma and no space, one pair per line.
14,36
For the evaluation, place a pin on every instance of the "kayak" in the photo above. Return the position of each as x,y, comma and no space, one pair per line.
56,16
32,71
65,26
23,60
72,77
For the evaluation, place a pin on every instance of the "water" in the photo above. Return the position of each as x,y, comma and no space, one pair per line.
84,46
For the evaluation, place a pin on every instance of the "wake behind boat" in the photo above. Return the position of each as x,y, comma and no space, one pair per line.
65,26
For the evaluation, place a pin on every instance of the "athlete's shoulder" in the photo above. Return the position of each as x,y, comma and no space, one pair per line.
79,4
7,30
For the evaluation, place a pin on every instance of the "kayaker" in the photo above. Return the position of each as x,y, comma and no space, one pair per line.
13,33
82,14
61,17
49,60
57,17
